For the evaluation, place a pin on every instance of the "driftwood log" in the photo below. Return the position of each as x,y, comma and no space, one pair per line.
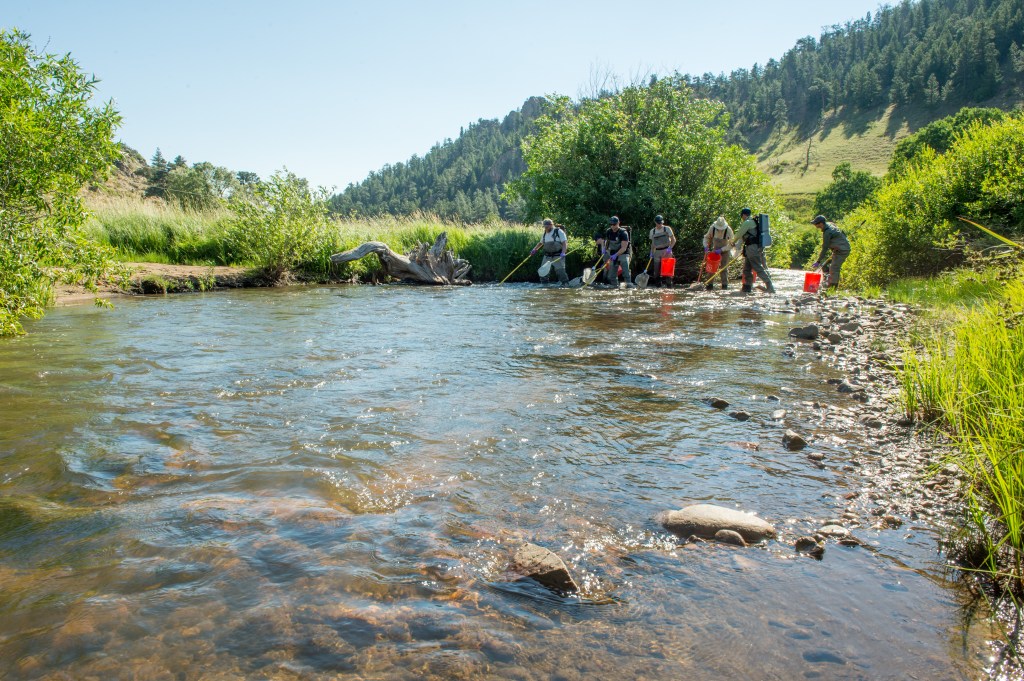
424,264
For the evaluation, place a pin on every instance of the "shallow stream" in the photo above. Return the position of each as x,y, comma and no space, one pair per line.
312,483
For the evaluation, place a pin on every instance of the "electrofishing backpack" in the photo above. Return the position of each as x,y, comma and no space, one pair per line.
764,235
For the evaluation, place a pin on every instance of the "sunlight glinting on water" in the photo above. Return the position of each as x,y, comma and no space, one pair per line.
315,482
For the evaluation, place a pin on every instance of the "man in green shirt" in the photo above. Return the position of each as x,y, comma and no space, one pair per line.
832,239
748,235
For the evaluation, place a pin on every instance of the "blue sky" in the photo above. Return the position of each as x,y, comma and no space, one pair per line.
333,90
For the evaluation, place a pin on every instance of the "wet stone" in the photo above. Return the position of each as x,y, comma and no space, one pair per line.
847,387
816,456
809,332
705,520
740,415
793,441
834,531
730,537
810,546
779,414
717,402
543,566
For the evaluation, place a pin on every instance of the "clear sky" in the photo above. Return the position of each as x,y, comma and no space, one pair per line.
333,90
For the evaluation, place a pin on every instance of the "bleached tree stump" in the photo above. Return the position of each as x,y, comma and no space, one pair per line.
424,264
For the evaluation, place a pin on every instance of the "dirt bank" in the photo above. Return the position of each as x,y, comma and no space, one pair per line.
149,278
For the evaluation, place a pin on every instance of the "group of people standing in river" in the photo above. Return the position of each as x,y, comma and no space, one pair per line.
615,248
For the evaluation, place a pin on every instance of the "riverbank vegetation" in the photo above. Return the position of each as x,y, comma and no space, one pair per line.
963,374
53,141
146,231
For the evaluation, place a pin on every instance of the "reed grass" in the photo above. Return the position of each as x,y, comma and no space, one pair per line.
967,376
952,289
147,231
152,232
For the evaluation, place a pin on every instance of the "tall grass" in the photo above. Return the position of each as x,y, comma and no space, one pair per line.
967,376
952,289
143,230
152,232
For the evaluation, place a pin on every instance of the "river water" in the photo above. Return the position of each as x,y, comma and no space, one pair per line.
328,482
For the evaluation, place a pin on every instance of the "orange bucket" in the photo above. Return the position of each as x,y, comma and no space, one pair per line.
812,282
712,262
668,267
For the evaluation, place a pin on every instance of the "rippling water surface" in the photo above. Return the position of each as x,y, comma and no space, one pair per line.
313,483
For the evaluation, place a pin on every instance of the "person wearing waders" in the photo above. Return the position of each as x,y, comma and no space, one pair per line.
832,239
719,240
662,241
553,242
748,234
615,253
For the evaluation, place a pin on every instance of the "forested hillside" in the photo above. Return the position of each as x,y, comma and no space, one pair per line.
870,81
916,53
462,178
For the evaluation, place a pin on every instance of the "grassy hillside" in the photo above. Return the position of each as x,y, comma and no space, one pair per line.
801,161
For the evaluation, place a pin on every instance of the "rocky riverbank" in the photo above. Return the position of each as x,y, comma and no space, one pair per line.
905,472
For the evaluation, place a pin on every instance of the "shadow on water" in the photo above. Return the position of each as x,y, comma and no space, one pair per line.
313,482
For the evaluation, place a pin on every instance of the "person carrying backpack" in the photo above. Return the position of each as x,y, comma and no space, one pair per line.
614,245
749,234
719,239
832,239
553,242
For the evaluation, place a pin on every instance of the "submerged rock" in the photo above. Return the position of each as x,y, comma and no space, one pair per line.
705,520
793,441
539,564
717,402
834,531
740,415
810,546
848,387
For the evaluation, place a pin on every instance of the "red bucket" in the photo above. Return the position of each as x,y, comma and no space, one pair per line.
712,262
812,282
668,267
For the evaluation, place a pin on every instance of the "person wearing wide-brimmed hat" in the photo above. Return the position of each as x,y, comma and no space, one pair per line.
832,239
718,239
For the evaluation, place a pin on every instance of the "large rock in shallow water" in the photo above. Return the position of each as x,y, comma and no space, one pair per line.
705,520
809,332
544,566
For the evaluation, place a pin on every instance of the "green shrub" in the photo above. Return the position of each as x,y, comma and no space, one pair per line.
52,142
647,150
849,188
280,226
910,229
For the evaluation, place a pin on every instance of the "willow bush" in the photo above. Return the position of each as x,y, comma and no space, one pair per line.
647,150
52,142
910,228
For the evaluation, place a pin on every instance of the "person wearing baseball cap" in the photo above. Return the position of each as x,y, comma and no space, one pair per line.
832,239
749,234
662,240
554,243
614,244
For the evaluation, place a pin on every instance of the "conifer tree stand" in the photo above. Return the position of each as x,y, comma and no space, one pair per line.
435,265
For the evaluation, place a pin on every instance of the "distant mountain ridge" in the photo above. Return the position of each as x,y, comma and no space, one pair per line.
847,95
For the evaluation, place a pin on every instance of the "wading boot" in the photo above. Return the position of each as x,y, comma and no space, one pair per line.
747,288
